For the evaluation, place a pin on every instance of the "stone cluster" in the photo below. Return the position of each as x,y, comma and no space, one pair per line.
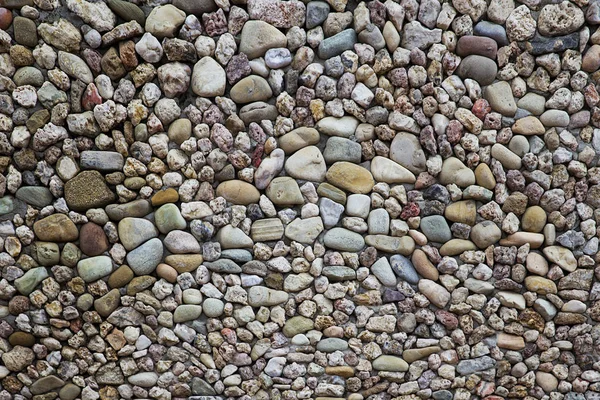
273,199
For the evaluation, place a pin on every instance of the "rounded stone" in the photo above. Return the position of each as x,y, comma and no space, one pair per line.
534,219
350,177
92,240
485,234
250,89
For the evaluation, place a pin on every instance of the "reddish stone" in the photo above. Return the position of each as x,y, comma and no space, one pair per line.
447,319
480,45
257,155
92,239
91,97
127,55
454,132
410,210
5,18
215,23
481,108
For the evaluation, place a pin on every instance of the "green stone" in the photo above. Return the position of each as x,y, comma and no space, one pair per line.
296,325
29,281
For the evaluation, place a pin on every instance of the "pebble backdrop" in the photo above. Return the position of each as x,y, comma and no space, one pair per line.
273,199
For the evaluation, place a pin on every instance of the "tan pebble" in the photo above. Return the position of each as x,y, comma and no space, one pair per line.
169,195
484,176
418,237
534,219
455,247
537,264
423,266
510,342
535,240
528,126
540,285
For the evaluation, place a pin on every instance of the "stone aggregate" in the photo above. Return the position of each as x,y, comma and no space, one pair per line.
287,200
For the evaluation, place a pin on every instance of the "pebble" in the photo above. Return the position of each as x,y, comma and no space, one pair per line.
320,199
350,177
94,268
144,259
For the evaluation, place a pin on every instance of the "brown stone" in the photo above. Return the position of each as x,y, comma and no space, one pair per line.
167,272
479,45
169,195
92,240
532,319
423,266
127,55
343,371
591,59
567,318
184,262
5,18
56,228
121,277
140,283
21,339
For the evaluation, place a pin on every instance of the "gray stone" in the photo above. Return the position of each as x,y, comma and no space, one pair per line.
337,44
383,271
467,367
344,240
93,268
144,259
37,196
404,269
101,160
436,228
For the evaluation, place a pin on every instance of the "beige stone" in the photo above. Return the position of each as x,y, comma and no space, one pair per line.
350,177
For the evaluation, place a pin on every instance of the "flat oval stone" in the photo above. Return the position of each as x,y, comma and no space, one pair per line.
390,363
92,240
344,240
298,138
479,45
37,196
144,259
56,228
93,268
388,171
350,177
135,231
479,68
329,345
251,88
136,208
238,192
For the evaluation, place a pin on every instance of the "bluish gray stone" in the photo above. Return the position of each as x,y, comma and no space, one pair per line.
344,240
144,259
330,345
543,45
337,44
338,273
223,265
436,228
237,255
467,367
316,13
37,196
101,160
93,268
491,30
404,269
